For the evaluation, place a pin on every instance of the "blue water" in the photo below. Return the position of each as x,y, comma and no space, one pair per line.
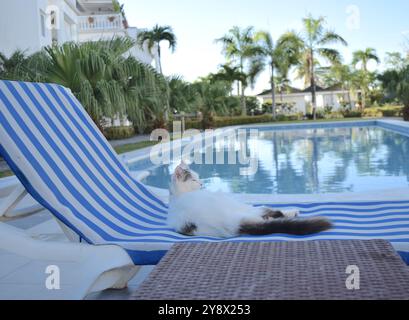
312,161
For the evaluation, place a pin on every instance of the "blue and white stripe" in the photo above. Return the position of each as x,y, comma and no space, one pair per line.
64,161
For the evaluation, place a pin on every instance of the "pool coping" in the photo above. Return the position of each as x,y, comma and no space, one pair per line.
397,194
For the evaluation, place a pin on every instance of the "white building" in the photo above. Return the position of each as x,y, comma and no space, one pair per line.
30,25
295,100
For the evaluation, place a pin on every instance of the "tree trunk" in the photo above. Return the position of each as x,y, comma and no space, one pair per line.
243,101
313,88
167,107
363,99
349,97
243,97
159,60
363,94
273,93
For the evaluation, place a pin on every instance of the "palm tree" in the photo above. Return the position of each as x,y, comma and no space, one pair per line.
182,95
340,74
230,74
363,57
240,50
315,40
154,37
280,57
212,99
281,83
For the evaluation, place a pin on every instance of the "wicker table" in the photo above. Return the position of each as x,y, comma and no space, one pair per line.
277,270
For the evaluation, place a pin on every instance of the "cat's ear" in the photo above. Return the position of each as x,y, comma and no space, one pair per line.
178,172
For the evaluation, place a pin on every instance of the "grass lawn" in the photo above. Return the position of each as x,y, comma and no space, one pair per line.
6,173
134,146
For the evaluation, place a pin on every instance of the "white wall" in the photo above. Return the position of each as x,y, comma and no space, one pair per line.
142,55
66,28
302,100
20,25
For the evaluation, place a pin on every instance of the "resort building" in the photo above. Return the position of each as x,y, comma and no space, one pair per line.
293,100
31,25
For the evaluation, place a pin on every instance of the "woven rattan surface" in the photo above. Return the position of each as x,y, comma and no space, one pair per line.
277,270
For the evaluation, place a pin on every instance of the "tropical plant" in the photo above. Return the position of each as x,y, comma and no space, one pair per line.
229,74
106,80
363,57
395,60
212,99
340,74
315,39
240,50
23,68
182,95
396,84
279,57
154,37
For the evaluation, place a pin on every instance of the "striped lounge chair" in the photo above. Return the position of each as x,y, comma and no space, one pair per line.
66,164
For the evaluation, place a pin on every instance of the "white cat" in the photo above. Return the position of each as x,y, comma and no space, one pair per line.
197,212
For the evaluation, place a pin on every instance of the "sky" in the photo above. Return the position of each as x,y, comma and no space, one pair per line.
379,24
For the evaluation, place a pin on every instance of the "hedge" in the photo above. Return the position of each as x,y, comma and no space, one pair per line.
219,122
117,133
391,111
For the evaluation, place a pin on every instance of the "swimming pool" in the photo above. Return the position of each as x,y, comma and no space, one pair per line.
301,160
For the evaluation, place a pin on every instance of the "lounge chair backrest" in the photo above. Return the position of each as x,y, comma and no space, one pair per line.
67,165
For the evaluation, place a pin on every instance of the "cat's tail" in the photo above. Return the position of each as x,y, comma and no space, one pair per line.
299,227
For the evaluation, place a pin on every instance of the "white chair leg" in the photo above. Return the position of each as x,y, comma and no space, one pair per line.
11,201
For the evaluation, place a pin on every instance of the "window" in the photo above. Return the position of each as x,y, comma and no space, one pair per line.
42,22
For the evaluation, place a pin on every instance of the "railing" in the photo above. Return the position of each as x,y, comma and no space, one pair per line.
100,22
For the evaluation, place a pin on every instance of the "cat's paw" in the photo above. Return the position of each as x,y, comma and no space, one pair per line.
291,214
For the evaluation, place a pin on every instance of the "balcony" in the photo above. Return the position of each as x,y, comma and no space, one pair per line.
98,23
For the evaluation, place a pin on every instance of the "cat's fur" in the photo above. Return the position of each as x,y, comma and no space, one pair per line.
197,212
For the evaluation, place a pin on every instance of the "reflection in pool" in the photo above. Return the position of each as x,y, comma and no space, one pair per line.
309,162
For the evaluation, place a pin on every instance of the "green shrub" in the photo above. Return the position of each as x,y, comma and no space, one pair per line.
117,133
372,113
193,124
328,110
319,115
405,113
237,121
334,115
293,117
219,122
253,106
391,111
352,114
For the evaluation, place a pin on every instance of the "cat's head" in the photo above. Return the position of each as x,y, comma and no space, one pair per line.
184,180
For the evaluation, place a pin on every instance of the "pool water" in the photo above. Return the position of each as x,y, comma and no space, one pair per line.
312,161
